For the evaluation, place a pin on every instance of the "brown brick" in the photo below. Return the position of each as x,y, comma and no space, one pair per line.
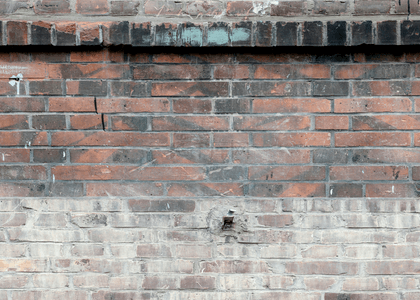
89,31
198,283
49,87
22,173
275,220
17,33
49,122
160,283
52,7
241,8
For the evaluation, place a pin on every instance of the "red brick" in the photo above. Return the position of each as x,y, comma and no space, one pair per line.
178,123
362,139
79,71
127,173
147,72
191,140
210,156
28,138
16,104
94,7
231,139
72,104
198,283
55,57
114,105
287,190
108,139
231,72
14,155
291,105
10,122
187,106
17,33
354,105
292,72
196,89
351,173
300,173
87,121
386,122
89,31
320,139
133,156
23,173
270,156
332,123
28,70
390,190
285,123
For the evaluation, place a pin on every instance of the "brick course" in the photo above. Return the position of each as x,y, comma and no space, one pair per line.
118,164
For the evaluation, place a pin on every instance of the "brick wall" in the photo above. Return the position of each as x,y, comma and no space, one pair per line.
118,165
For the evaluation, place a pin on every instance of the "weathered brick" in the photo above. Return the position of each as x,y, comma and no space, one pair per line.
312,33
95,7
291,105
360,139
17,33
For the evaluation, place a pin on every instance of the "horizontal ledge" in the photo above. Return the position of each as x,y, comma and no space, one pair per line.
210,34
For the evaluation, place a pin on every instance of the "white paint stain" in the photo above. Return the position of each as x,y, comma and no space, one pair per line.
15,80
3,156
392,189
53,178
